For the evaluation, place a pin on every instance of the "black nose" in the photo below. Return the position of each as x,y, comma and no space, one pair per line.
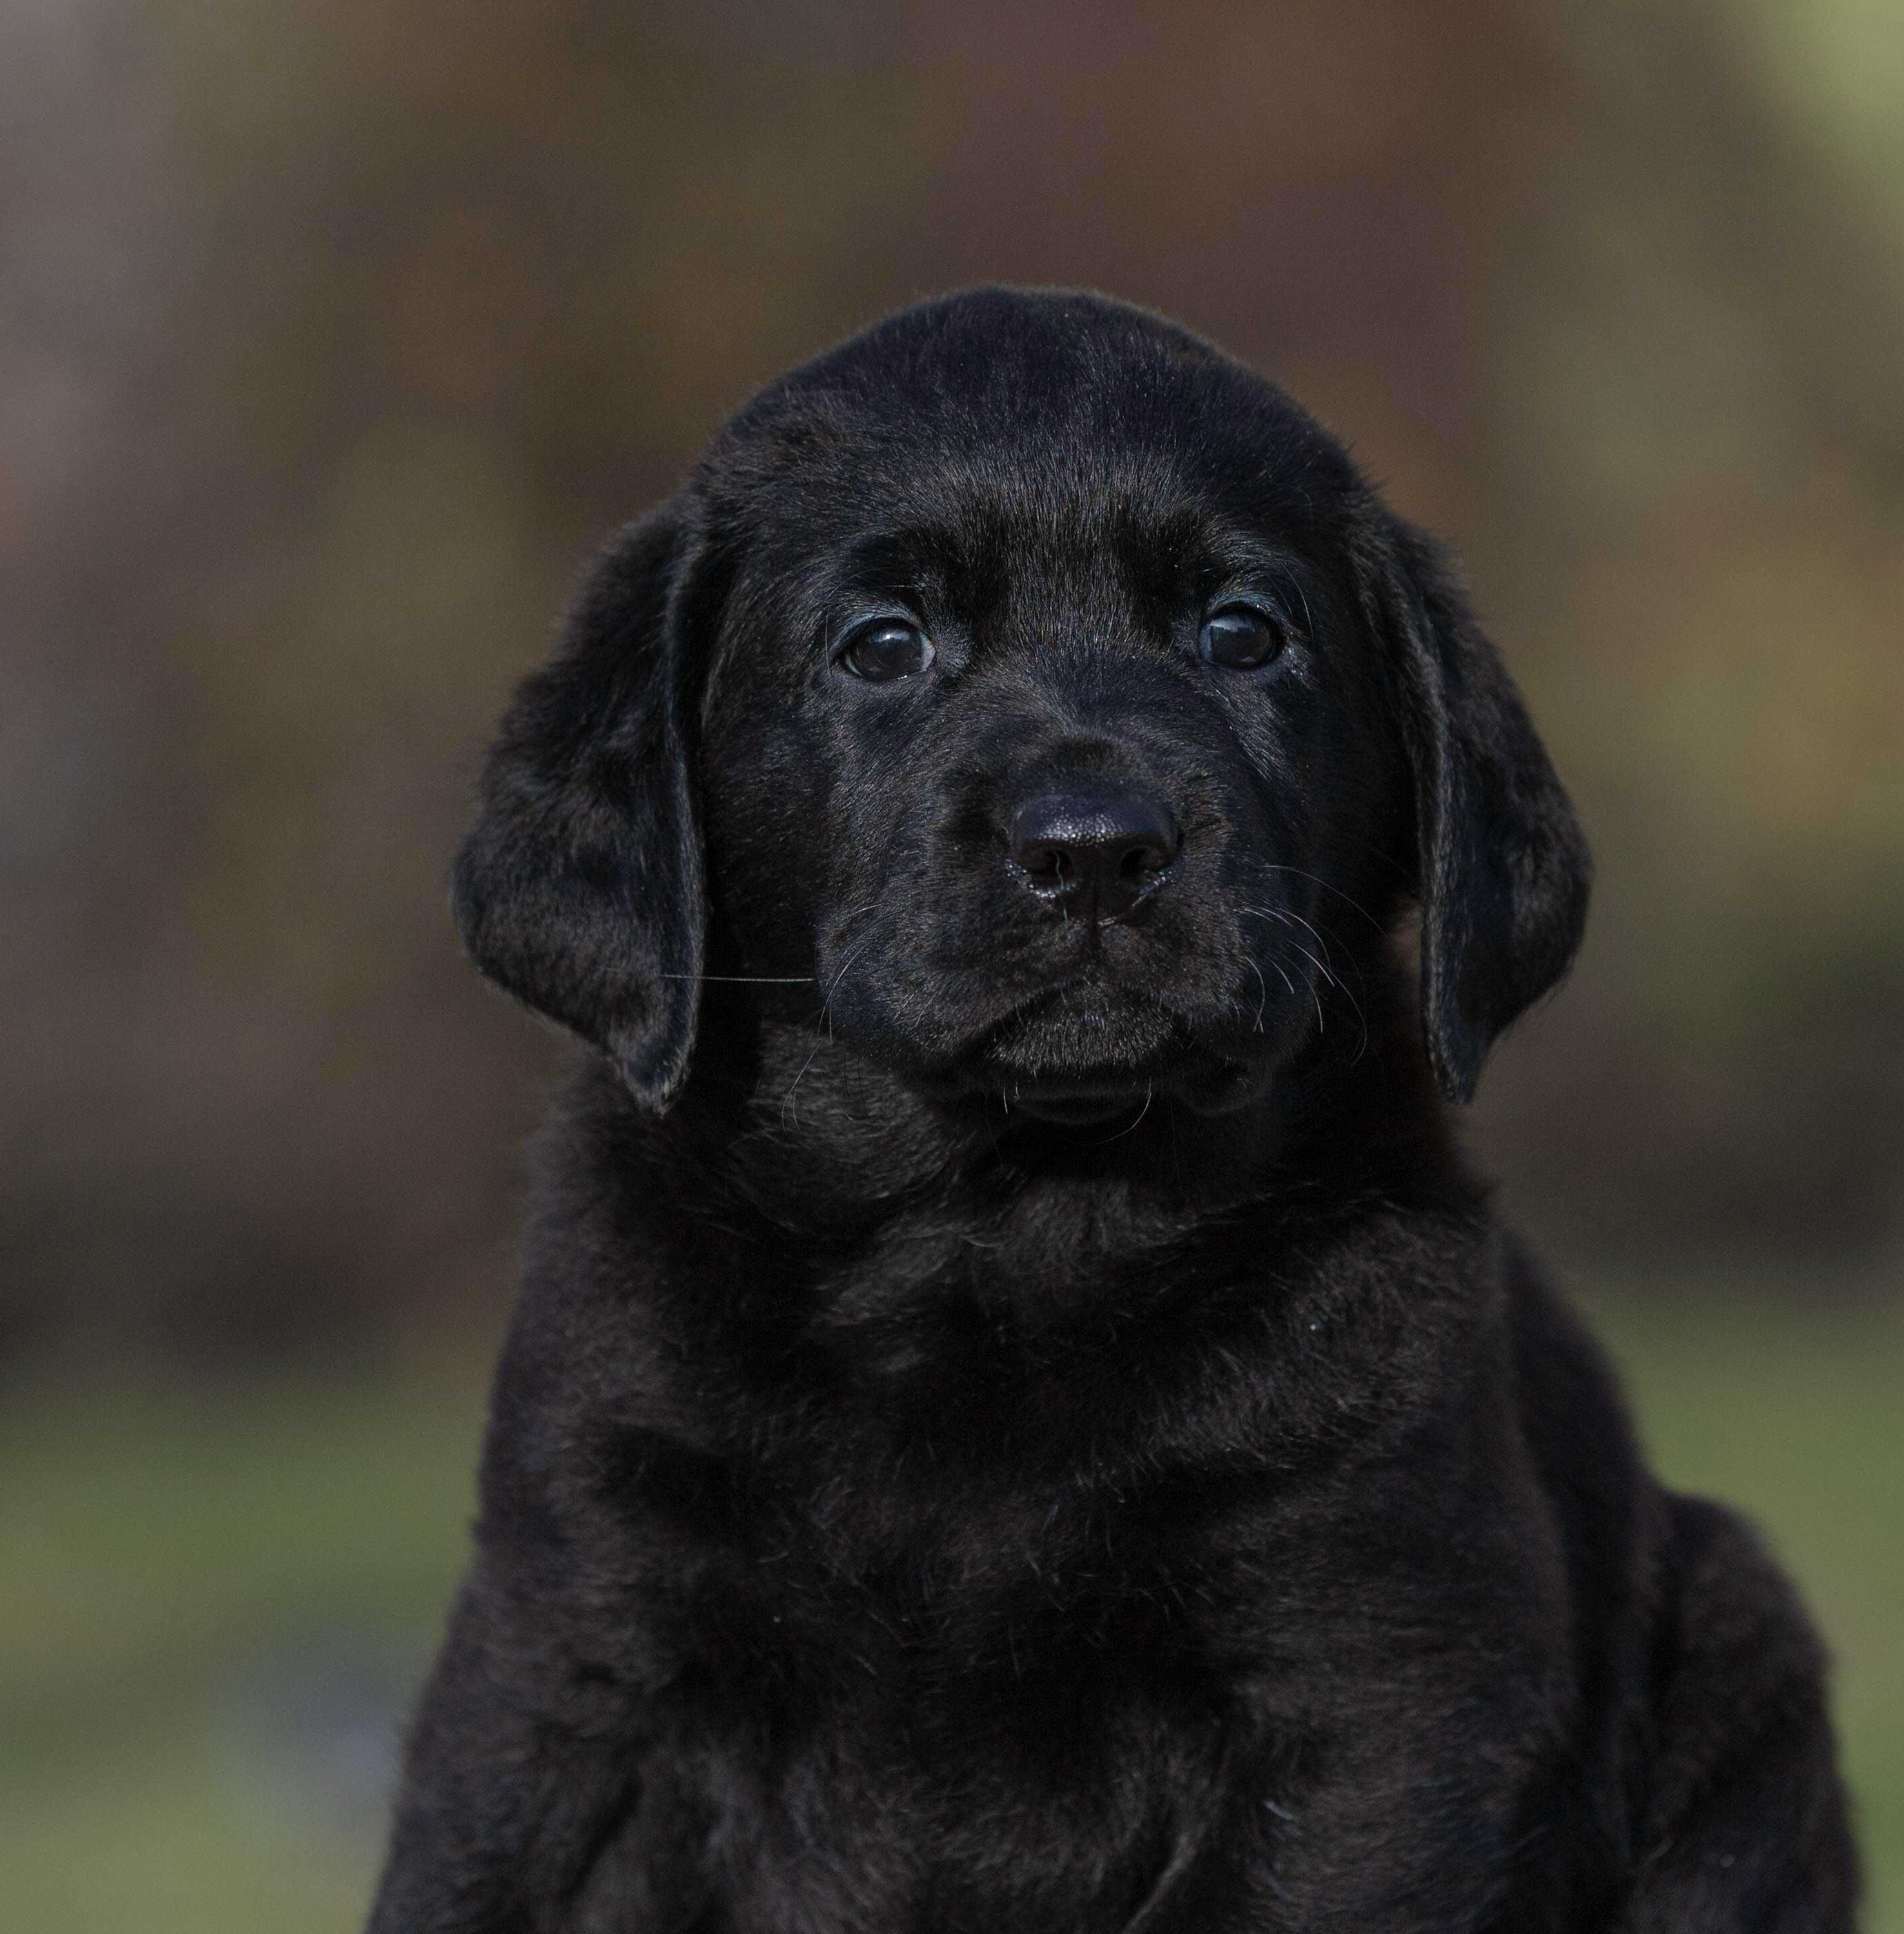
1097,848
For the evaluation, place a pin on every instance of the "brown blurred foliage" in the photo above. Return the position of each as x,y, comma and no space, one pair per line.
335,337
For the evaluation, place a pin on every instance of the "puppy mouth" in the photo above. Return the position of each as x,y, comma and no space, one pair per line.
1078,1048
1080,1056
1085,1110
1084,1031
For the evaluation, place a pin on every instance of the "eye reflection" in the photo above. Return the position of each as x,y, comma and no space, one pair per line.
1240,637
884,650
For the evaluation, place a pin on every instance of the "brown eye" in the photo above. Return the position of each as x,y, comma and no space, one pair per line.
886,650
1240,638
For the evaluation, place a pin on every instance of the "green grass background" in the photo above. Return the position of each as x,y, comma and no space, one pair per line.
154,1547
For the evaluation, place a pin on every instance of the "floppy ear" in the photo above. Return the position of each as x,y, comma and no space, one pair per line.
1502,867
579,889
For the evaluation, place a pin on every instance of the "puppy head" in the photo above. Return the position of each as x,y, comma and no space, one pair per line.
1047,699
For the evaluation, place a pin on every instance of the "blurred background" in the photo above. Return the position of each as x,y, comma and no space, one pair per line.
333,339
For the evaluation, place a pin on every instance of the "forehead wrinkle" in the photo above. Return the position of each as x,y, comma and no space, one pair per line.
1041,528
1045,508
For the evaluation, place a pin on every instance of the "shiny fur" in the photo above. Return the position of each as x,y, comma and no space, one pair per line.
1016,1421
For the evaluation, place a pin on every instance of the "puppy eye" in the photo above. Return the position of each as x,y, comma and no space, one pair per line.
884,650
1240,638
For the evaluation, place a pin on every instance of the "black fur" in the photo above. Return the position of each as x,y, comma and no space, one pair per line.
1016,1422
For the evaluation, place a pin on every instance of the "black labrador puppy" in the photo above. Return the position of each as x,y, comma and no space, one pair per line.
1018,1418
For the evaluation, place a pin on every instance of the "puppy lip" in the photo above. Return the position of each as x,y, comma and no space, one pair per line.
1091,1098
1150,1047
1078,1110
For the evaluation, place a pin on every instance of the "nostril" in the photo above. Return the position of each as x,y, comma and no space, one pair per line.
1142,862
1045,861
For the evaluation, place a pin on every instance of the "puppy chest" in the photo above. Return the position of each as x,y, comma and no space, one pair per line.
990,1801
1042,1750
1047,1787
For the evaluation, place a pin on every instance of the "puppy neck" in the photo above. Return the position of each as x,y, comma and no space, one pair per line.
812,1141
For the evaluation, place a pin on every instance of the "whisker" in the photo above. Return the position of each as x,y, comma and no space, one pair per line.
1321,1024
1149,1094
1334,981
1264,1001
846,920
787,1100
1321,939
833,988
1269,912
1302,598
1273,866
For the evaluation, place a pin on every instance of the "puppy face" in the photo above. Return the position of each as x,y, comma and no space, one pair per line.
1047,692
1069,714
